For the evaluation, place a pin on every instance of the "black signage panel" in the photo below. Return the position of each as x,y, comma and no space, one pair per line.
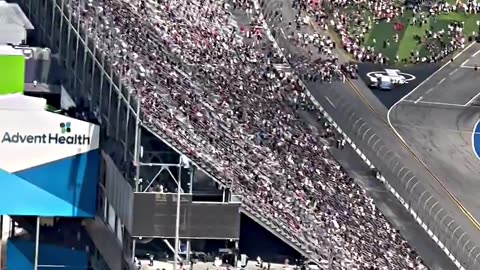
154,215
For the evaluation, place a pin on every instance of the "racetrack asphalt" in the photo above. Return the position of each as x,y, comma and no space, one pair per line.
347,103
363,117
390,97
437,120
393,210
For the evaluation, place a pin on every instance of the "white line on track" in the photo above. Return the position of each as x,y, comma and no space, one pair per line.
420,98
464,62
429,90
422,127
431,75
475,54
451,73
417,87
329,101
435,103
472,99
469,67
442,80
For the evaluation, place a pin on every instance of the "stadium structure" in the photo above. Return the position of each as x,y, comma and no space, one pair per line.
148,191
49,162
88,167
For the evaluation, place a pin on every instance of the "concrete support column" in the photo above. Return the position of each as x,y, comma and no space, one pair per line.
188,252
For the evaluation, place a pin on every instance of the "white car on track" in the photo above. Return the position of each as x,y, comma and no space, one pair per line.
388,78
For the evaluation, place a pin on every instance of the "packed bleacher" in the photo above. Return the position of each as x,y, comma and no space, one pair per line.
211,88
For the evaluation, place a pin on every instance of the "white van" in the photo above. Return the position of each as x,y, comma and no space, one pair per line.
381,82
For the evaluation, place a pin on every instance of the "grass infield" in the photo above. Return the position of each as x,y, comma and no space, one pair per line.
382,31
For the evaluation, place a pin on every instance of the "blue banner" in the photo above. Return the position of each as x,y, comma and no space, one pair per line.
21,255
63,188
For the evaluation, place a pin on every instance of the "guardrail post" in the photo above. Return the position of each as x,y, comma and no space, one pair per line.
420,209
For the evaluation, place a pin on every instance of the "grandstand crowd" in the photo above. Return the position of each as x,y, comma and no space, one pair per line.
210,87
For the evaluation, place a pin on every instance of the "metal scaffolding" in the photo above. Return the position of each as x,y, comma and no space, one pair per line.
109,98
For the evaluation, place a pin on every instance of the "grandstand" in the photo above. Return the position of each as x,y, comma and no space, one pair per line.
44,71
182,102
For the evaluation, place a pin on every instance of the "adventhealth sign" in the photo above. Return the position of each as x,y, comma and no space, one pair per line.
31,138
51,160
48,138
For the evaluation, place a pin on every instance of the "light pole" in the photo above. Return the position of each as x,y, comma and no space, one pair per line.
183,164
37,242
137,149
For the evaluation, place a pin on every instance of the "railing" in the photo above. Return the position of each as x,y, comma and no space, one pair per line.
402,183
275,227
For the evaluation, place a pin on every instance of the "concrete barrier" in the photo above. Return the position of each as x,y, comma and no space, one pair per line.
407,206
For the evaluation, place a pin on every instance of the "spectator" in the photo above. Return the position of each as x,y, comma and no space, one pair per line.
218,94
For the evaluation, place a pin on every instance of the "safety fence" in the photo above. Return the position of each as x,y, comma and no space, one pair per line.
417,199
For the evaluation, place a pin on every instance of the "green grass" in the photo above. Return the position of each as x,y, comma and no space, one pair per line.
452,2
408,42
469,19
382,31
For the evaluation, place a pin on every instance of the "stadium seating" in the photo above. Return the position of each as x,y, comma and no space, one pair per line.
211,90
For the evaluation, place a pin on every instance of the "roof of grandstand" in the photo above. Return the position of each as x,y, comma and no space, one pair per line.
19,101
12,14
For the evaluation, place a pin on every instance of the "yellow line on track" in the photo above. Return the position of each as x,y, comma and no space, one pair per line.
452,197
